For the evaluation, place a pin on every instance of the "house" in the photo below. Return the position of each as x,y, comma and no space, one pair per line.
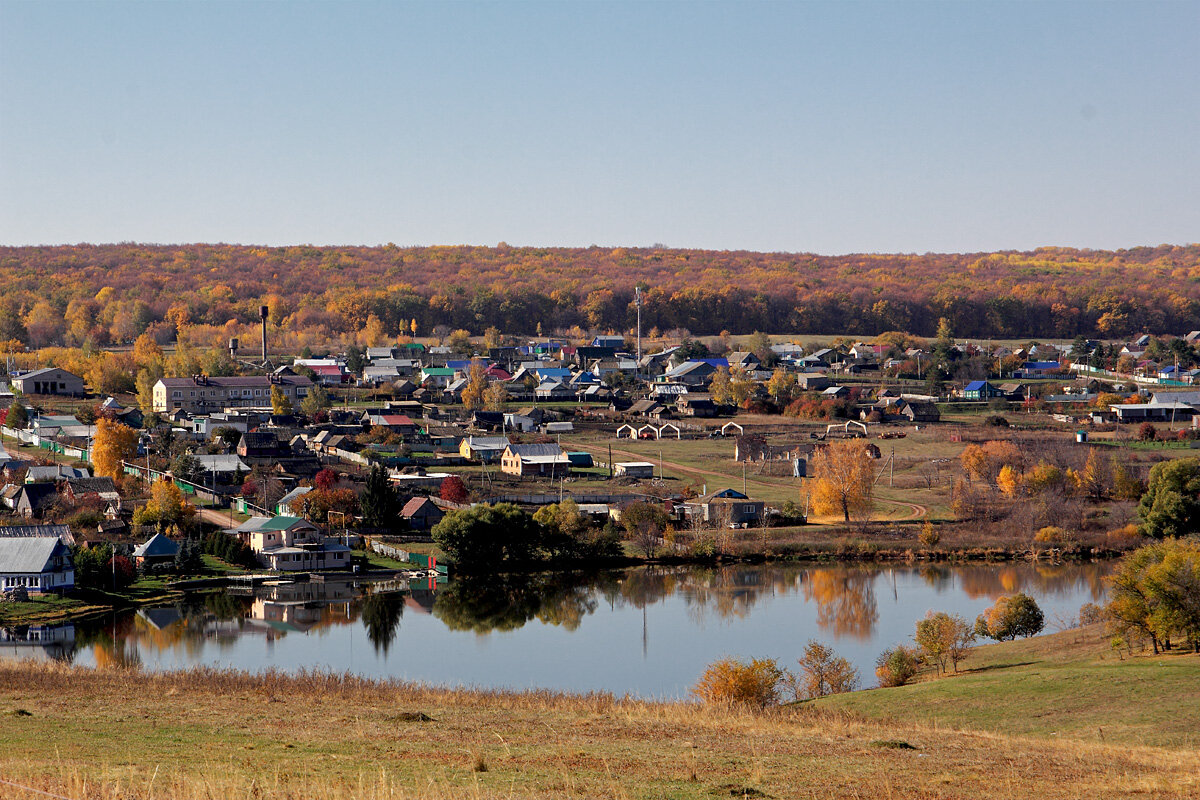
63,532
614,342
813,381
647,408
486,449
54,473
920,411
745,360
695,373
201,393
554,390
696,405
261,444
487,420
103,489
980,390
220,468
50,380
396,423
422,513
331,374
34,499
292,544
292,503
158,550
36,564
536,460
437,377
519,422
727,506
633,469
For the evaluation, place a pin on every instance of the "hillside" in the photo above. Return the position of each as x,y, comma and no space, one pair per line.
111,293
121,733
1064,685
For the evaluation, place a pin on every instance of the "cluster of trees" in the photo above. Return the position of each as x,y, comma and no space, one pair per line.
496,536
100,568
1155,592
97,295
230,550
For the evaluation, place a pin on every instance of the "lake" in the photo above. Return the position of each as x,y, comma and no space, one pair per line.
647,631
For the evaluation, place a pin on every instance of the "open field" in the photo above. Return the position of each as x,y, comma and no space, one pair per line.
1069,685
211,734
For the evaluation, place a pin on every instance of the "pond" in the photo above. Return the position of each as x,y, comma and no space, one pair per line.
647,631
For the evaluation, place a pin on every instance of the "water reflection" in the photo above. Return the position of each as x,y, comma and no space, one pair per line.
649,629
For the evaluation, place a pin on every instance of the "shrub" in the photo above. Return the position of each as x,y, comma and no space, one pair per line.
1147,432
1124,537
929,535
823,672
896,666
754,683
1052,534
1090,614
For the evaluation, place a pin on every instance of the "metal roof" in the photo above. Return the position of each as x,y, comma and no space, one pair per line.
30,554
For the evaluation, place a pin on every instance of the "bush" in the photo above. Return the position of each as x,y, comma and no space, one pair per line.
1124,537
1090,614
1147,432
896,666
929,535
754,683
1052,535
823,672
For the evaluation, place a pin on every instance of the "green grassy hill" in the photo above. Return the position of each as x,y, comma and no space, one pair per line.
1064,685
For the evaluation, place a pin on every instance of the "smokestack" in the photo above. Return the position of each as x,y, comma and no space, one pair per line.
262,313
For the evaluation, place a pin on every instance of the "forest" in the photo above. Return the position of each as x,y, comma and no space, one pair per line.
103,295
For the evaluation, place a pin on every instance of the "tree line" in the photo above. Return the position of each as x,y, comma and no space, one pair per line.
110,294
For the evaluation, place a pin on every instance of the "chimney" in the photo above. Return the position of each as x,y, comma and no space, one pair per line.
262,313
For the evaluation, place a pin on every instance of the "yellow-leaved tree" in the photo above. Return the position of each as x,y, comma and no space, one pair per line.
112,444
843,478
473,393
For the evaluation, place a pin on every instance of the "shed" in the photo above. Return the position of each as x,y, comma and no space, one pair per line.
633,469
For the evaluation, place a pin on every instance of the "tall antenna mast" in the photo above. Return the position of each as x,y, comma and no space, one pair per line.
637,300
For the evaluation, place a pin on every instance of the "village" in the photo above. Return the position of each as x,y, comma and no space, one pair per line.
271,469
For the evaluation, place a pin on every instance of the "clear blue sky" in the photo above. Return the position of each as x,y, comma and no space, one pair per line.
825,127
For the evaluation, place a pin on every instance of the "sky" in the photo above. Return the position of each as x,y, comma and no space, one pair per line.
830,128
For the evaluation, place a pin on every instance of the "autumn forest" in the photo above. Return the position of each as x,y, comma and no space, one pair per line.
102,295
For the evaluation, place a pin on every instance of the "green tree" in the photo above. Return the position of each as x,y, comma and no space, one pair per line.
280,404
488,537
355,360
17,417
1011,617
379,504
896,666
1170,506
1155,592
315,401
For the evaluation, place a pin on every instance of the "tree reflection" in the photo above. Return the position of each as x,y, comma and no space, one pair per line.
845,601
486,603
381,613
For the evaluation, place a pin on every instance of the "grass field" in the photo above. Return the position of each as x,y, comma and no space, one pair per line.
116,733
1065,685
211,734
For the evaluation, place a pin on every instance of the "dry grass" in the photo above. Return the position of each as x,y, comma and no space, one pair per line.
212,734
